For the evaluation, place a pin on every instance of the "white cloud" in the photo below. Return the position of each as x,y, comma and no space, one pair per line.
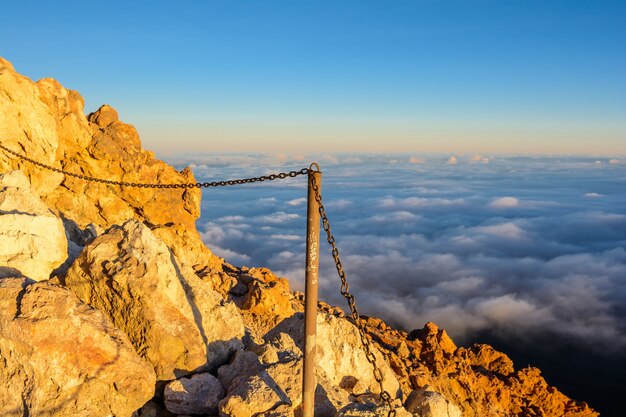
504,202
415,202
453,160
297,201
507,230
278,217
395,216
593,195
286,237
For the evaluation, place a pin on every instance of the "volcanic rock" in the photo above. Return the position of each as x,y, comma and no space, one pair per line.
32,238
58,356
199,394
174,319
423,403
340,352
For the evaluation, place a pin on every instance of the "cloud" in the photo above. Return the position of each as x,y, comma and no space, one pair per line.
416,160
513,248
297,201
504,202
453,160
395,216
278,217
418,202
507,230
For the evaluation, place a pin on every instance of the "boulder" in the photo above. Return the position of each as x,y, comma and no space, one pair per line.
257,394
199,394
174,319
243,365
267,294
58,356
32,238
340,352
424,403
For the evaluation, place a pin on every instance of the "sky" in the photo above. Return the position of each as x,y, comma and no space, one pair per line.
521,77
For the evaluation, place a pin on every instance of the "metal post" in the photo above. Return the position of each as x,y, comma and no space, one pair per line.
310,293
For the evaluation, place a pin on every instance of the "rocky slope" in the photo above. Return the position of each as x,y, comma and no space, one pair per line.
110,304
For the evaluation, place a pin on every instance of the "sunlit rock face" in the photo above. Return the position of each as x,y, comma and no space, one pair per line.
173,318
32,238
58,356
46,122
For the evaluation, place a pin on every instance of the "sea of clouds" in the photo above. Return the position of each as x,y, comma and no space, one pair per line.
517,246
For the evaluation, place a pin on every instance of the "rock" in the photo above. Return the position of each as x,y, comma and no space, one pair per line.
424,403
282,410
243,365
370,410
257,394
488,358
59,356
104,116
173,319
46,122
199,394
267,294
431,334
340,352
32,238
28,126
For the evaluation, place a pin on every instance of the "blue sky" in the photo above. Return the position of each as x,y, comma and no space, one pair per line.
405,76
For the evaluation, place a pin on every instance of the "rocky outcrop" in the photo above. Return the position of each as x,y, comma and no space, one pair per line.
32,238
174,319
59,356
46,122
478,380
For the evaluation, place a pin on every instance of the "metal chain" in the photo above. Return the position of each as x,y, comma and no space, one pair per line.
270,177
345,291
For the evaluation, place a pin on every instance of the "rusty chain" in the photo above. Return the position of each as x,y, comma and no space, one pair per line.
270,177
345,291
345,288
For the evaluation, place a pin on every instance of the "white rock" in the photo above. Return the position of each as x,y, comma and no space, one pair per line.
339,360
32,238
258,394
199,394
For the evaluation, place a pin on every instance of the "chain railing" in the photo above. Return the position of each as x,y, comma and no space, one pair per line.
345,288
262,178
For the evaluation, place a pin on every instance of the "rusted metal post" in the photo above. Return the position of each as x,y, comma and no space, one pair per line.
310,292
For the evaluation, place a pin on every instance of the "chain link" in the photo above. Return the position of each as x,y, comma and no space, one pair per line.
345,291
270,177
